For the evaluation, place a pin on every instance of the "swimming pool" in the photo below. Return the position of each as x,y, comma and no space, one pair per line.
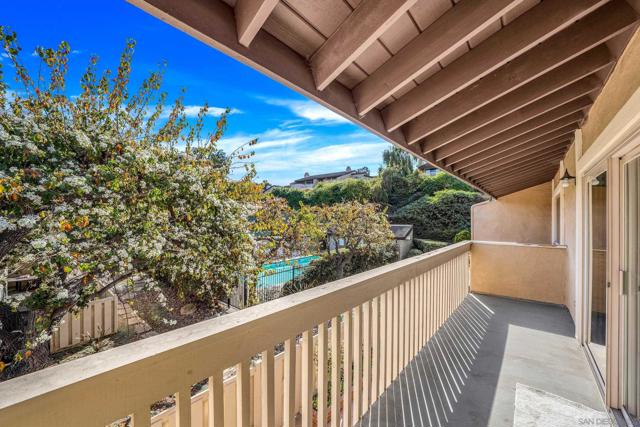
281,272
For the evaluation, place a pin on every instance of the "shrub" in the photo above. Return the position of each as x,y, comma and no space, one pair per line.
462,236
349,190
439,217
414,252
425,245
323,270
294,197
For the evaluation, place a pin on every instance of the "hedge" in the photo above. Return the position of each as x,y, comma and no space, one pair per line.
438,217
425,245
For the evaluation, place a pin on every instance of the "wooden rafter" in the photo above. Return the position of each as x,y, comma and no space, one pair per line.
519,170
361,28
518,167
580,67
250,17
600,26
539,125
536,25
552,130
531,175
448,33
524,185
513,119
542,174
527,153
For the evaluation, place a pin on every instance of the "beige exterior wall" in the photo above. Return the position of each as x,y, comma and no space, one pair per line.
531,272
622,83
523,217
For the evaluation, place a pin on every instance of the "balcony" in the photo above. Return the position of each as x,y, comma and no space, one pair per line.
420,343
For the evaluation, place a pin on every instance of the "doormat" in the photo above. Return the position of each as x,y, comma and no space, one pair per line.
538,408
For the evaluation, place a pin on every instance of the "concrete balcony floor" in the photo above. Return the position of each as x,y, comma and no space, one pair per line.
468,373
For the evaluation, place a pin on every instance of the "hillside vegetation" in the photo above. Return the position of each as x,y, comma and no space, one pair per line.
438,205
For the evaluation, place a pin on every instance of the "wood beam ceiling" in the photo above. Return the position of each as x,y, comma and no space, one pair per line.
535,127
528,153
598,27
359,31
536,174
540,175
559,127
250,17
451,31
531,181
552,101
519,167
518,164
534,26
574,70
527,184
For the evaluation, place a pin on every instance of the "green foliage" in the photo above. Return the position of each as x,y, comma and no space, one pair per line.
462,236
323,270
348,190
357,238
430,185
425,245
401,190
331,193
398,159
294,196
414,252
439,217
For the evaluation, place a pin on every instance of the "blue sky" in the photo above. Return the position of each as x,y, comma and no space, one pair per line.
295,135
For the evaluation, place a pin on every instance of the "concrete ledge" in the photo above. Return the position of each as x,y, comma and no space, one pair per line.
525,245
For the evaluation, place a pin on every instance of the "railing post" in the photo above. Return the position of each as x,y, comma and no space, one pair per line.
215,401
289,382
267,389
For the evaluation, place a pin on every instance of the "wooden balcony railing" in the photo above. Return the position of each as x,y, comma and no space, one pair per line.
386,316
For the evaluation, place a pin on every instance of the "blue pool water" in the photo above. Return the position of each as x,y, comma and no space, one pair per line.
279,273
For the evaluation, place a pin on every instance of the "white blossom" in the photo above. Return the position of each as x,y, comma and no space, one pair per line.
28,221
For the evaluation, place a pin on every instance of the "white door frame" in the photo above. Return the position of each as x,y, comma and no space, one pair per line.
608,147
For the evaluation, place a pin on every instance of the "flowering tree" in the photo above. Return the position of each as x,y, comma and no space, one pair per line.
98,188
353,229
283,232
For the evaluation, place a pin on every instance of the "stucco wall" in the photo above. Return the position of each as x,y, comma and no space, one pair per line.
523,217
532,272
623,82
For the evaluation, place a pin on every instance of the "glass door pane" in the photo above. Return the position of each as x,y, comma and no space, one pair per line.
598,273
631,281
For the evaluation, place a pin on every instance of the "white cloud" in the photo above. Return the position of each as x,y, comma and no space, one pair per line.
192,111
272,138
309,110
284,154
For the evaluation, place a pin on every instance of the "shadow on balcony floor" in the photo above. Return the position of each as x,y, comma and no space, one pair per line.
466,375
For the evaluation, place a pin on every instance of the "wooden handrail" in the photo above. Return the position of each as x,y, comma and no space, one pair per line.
104,387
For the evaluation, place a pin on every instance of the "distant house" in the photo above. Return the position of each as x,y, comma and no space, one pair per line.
428,169
309,181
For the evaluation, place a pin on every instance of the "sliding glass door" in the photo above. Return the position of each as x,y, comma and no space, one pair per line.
631,282
597,337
